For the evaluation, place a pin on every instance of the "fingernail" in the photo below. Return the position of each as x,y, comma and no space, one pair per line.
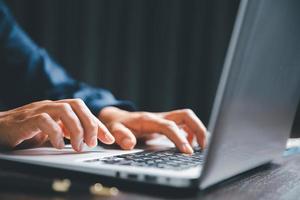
94,141
81,145
61,144
109,138
127,142
187,148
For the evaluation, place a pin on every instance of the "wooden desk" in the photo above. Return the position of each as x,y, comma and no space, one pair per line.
279,180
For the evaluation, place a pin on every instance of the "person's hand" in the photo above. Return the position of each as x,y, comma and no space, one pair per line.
36,122
127,126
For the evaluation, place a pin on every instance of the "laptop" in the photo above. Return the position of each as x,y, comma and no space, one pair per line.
251,118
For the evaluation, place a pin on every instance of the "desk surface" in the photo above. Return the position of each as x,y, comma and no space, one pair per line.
279,180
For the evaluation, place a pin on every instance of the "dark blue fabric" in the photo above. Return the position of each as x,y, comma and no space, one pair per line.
28,74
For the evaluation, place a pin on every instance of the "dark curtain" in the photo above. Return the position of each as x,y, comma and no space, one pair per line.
161,54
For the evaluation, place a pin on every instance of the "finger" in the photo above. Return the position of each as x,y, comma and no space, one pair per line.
64,112
124,137
104,135
190,134
169,129
35,141
44,123
93,127
189,118
64,130
87,119
39,139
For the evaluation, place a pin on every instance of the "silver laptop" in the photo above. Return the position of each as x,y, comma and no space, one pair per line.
251,119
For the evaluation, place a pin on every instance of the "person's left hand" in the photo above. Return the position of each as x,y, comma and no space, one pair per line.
127,126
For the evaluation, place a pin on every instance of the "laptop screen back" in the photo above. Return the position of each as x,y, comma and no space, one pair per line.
259,89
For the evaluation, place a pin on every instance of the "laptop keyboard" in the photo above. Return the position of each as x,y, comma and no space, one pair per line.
166,159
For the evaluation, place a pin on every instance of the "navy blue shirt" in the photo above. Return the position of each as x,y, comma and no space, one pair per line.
28,74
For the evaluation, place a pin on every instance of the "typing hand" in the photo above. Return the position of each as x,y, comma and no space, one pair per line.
37,122
127,126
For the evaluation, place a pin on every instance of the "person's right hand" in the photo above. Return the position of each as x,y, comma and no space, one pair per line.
36,122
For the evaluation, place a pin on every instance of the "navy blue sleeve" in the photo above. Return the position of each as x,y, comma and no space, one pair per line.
29,74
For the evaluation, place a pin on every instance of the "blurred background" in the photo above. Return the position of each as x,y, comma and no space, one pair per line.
160,54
